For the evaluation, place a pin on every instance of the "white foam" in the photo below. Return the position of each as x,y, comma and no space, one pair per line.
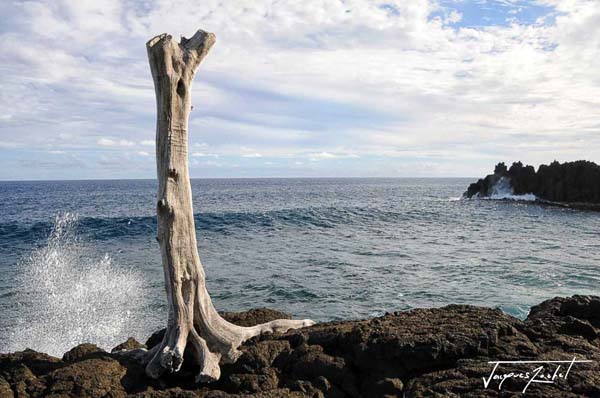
68,296
503,190
528,197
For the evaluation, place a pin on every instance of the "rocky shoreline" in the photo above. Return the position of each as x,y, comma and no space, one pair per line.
439,352
573,185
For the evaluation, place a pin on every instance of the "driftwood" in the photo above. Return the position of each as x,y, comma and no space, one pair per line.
192,317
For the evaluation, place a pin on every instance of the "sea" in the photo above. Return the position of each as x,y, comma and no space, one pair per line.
79,261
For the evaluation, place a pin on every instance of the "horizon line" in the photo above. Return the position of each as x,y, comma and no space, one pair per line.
241,178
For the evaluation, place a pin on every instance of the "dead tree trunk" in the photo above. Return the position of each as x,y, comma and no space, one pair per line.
192,317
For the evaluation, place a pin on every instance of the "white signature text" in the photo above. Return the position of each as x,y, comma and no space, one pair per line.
545,372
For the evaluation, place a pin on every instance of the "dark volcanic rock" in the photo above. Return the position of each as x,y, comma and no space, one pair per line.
5,390
254,316
129,344
82,351
37,362
99,377
573,184
441,352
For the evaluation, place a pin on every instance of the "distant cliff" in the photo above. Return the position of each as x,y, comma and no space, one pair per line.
576,183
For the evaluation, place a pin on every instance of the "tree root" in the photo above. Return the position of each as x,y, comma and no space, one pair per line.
168,355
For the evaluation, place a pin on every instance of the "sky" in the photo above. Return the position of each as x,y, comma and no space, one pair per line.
312,88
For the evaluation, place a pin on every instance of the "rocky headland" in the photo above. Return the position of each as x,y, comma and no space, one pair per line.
439,352
569,184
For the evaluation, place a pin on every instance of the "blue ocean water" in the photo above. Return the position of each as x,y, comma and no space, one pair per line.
79,261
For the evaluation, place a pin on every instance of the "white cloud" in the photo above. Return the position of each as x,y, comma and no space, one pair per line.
328,155
103,141
453,17
106,142
204,155
313,80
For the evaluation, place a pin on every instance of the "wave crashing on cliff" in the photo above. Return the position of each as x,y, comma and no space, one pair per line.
71,295
502,190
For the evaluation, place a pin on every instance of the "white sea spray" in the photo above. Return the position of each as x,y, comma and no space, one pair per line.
69,294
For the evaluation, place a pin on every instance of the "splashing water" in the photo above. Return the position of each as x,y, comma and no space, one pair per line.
68,297
503,190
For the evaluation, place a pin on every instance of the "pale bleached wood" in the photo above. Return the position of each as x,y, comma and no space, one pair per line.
192,317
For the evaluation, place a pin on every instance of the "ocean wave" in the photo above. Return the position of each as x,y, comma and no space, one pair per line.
104,228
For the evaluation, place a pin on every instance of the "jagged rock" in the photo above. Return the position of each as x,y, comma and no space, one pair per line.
251,382
441,352
309,362
170,393
23,382
38,362
155,338
5,390
254,316
570,184
129,344
387,387
82,351
98,377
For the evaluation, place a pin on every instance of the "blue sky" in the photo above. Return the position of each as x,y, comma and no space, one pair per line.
482,13
312,88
